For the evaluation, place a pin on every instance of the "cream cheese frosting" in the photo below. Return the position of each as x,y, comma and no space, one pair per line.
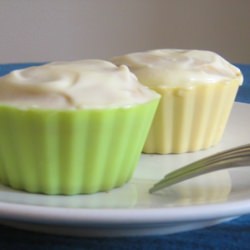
73,85
175,67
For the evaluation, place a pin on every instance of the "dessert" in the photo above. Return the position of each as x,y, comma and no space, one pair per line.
72,127
198,89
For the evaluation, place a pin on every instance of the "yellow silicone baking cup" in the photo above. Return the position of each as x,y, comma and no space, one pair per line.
190,119
71,152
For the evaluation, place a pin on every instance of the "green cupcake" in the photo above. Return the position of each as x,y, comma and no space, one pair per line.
72,127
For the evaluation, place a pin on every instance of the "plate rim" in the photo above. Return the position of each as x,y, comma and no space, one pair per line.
123,215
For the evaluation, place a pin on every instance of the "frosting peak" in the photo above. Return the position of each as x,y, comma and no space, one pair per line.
175,67
70,85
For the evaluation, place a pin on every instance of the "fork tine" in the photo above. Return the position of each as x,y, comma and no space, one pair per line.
239,156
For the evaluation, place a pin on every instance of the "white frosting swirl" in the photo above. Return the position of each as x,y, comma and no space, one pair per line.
71,85
174,67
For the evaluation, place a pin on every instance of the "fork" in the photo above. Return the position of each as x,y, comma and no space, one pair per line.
235,157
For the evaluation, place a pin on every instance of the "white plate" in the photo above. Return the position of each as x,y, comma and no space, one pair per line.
131,210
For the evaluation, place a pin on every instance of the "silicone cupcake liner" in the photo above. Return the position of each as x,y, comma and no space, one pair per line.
71,152
189,120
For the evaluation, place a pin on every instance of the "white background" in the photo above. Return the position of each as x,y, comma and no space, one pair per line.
48,30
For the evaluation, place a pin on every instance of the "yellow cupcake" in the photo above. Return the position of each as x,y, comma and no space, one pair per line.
198,89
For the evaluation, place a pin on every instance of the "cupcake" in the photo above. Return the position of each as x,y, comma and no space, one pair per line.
198,89
72,127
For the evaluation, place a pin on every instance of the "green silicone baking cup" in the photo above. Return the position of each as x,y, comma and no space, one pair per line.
71,152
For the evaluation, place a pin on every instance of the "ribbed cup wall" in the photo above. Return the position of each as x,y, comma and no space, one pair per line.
71,152
189,120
